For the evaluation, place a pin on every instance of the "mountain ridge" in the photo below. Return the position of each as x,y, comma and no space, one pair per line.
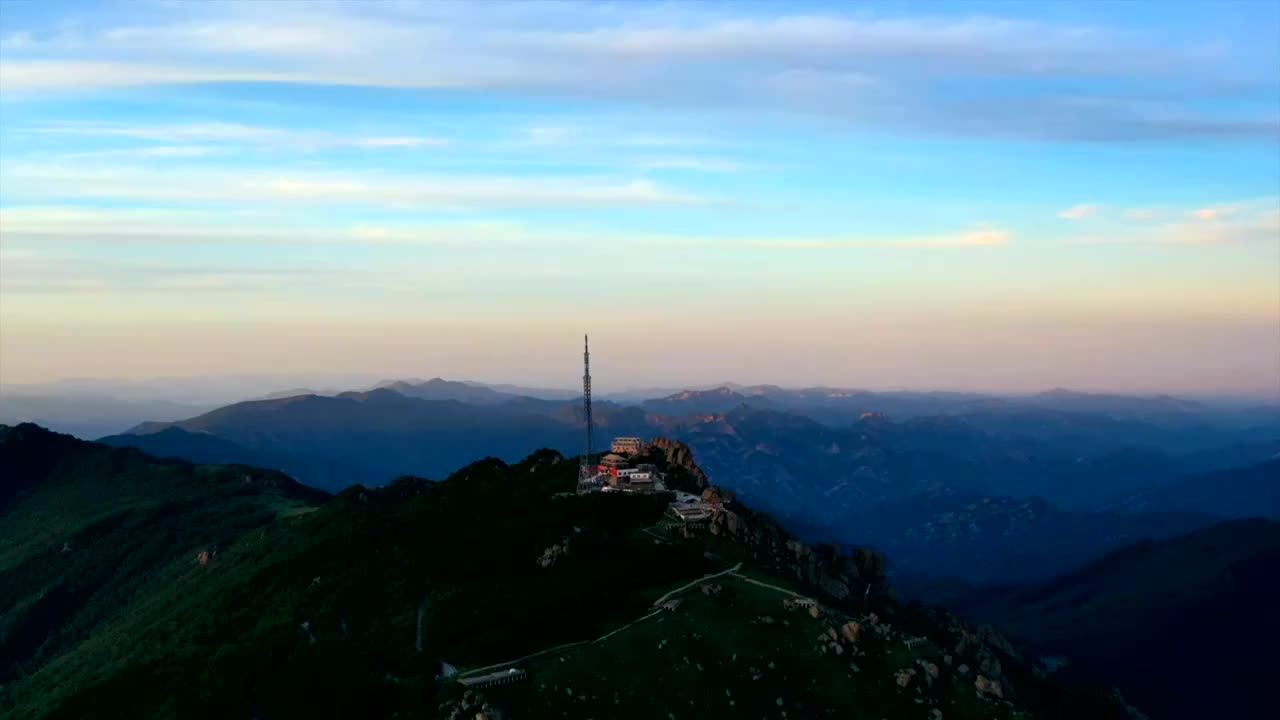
310,607
849,484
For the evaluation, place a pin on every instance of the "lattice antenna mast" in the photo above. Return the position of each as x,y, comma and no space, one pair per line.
586,407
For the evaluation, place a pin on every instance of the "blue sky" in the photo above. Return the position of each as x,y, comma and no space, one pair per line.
984,195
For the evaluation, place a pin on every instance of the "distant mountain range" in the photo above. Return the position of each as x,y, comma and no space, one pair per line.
89,415
1004,539
1188,626
944,497
1239,492
833,406
361,437
1030,491
441,389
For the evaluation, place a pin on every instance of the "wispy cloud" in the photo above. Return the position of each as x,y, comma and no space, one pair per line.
1143,213
47,271
550,134
701,164
868,69
984,237
145,152
400,142
385,190
1248,221
18,76
177,151
1218,212
1080,212
42,225
238,133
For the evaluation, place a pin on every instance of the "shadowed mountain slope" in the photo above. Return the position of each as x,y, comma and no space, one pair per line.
1186,626
1239,493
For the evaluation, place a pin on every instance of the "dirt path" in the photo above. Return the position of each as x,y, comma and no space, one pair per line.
657,536
570,646
624,627
526,658
702,579
753,581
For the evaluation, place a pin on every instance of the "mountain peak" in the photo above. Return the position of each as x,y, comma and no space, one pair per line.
723,391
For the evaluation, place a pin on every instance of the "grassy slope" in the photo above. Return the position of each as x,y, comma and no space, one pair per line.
97,547
719,656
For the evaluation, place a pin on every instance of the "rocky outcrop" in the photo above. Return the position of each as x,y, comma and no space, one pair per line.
859,575
852,577
988,687
678,455
471,706
552,553
979,647
1132,712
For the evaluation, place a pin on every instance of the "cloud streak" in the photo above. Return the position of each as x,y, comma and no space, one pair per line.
699,164
372,189
1080,212
238,133
1226,224
986,237
879,71
40,225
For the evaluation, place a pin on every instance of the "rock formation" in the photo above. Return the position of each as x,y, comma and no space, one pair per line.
851,577
678,455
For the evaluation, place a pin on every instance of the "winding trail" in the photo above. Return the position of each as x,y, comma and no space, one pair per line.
517,661
657,536
753,581
624,627
580,643
702,579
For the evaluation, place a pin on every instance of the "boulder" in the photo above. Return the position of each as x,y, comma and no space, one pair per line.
988,687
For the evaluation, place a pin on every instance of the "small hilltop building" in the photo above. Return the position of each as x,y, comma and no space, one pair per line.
629,446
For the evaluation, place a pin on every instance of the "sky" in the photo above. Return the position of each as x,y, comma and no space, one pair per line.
950,195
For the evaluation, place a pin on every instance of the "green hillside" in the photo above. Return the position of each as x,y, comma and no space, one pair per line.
135,587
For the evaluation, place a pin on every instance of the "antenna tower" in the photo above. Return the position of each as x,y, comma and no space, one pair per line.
587,470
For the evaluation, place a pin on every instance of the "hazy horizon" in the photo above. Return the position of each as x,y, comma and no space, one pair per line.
995,197
246,385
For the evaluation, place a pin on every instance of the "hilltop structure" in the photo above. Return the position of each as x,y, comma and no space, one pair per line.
614,471
690,510
619,473
588,473
629,446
